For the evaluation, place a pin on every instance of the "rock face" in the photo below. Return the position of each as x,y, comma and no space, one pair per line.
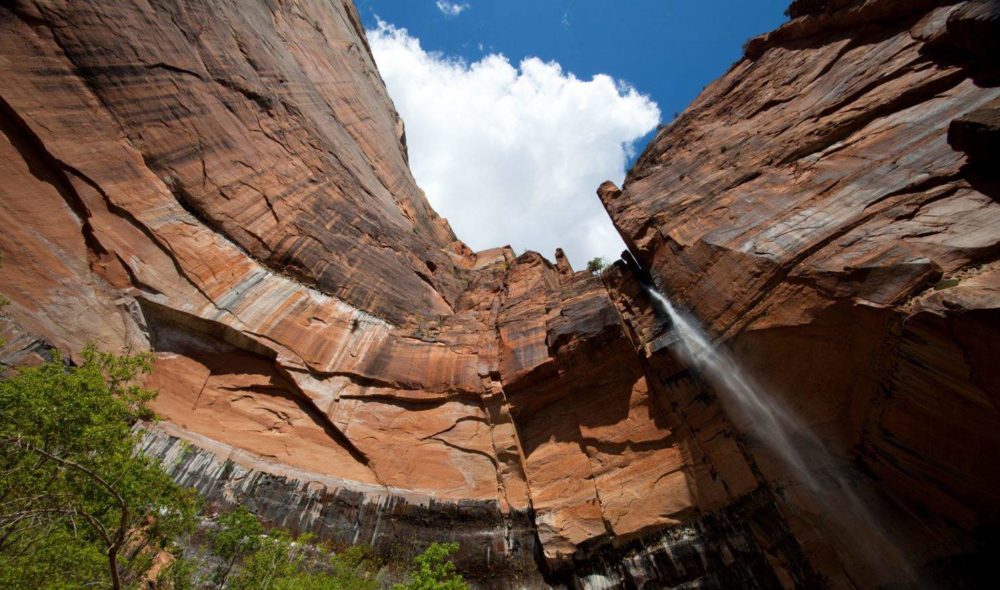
827,208
226,184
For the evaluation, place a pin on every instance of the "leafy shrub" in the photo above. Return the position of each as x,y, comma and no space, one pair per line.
283,563
238,534
596,265
434,570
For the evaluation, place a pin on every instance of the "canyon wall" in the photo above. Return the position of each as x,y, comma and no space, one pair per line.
828,208
226,184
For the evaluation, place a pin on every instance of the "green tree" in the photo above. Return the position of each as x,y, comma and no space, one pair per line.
596,265
237,535
75,495
275,561
258,559
434,570
354,569
351,569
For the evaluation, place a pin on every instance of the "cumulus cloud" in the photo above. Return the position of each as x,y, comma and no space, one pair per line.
513,155
451,8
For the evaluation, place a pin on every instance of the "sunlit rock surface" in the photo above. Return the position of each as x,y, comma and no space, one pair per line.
226,184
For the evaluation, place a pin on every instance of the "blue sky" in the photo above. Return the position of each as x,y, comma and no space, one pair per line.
436,54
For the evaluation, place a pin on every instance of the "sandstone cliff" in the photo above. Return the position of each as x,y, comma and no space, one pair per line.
825,208
225,183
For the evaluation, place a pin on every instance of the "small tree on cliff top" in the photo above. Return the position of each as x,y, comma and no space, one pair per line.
78,505
596,265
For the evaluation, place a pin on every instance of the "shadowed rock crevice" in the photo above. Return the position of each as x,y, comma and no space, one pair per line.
46,169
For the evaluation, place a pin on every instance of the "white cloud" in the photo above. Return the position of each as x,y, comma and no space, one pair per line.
514,155
451,8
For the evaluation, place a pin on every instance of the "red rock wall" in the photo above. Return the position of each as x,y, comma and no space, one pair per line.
814,211
226,185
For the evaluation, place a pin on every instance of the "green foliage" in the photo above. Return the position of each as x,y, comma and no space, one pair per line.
282,563
56,559
81,507
422,331
276,559
946,284
76,499
352,569
238,534
179,575
596,265
434,570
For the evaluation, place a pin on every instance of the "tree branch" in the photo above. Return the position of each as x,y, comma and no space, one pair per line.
114,543
73,465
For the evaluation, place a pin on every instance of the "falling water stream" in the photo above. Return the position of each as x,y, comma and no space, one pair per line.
773,424
826,478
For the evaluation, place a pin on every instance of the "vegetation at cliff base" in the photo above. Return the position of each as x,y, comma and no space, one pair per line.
78,505
238,534
243,555
81,506
434,570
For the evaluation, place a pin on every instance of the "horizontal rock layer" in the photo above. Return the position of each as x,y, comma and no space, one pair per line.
395,523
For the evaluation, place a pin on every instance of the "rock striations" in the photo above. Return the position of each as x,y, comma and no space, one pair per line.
226,183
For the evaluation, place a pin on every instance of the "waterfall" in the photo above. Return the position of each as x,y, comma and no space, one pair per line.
826,478
771,423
